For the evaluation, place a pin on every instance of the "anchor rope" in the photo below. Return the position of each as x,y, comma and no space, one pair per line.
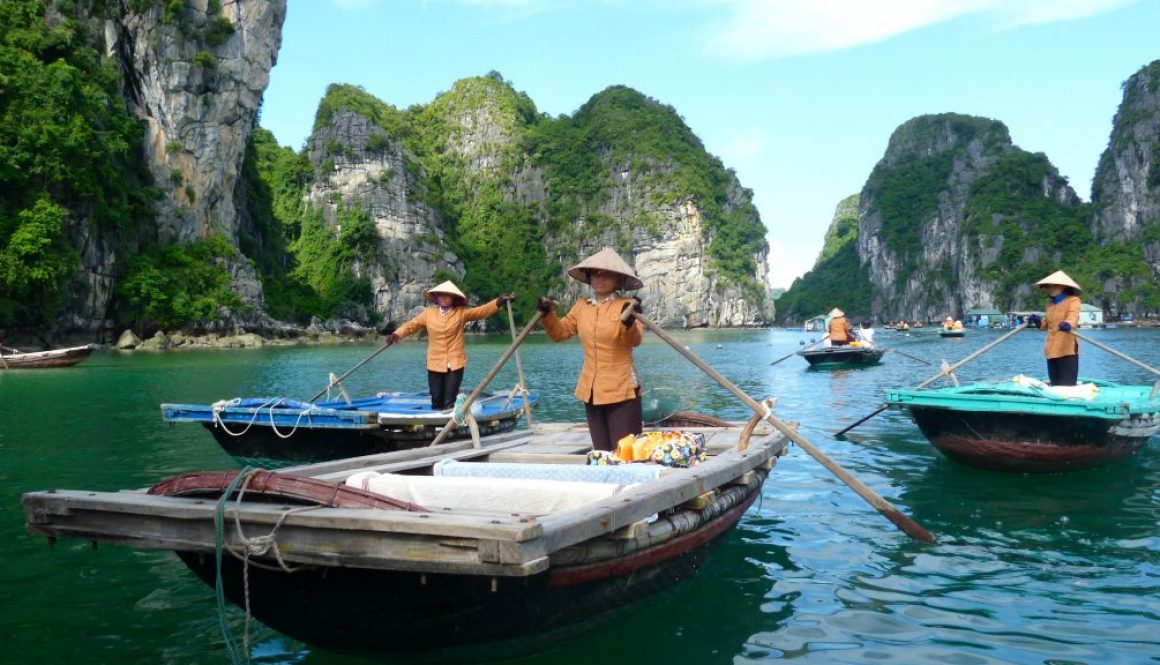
249,547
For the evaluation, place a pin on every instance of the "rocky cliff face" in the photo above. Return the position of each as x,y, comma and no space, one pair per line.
1126,187
930,232
357,165
196,79
479,129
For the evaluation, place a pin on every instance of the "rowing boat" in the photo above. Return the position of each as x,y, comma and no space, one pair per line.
1024,425
446,546
67,357
274,430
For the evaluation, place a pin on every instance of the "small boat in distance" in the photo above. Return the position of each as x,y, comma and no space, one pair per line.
450,547
851,355
272,430
14,359
1026,426
954,332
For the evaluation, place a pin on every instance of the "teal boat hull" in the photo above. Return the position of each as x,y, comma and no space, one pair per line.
1004,427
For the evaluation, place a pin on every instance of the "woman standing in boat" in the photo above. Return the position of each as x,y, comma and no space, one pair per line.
446,352
1061,348
608,385
841,333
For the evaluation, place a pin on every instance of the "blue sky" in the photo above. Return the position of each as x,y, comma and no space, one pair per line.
798,96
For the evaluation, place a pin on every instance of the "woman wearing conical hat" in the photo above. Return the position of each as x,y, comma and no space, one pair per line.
608,383
841,333
446,352
1061,347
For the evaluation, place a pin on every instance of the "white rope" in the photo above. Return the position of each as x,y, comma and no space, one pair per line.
269,405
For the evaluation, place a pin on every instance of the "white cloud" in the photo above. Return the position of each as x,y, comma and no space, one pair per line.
760,29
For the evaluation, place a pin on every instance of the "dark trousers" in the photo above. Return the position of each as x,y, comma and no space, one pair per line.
1063,371
444,388
608,423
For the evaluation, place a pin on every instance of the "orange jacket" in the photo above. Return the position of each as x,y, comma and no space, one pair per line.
840,330
445,349
608,375
1058,343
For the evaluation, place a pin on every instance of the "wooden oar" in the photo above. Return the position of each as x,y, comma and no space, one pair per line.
907,355
519,367
1122,356
787,357
907,525
350,371
945,371
443,433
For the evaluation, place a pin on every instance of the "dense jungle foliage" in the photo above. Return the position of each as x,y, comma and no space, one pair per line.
71,167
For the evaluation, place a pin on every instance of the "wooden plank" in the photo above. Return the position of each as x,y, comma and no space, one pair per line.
637,503
44,507
353,464
537,458
301,543
433,455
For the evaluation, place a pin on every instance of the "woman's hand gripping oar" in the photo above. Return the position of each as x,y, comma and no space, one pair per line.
443,433
907,525
944,372
788,356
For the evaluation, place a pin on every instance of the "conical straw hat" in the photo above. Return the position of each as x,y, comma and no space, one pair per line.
1059,278
448,288
836,312
606,259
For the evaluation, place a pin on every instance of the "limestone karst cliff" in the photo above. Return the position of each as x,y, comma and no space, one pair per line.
955,216
481,186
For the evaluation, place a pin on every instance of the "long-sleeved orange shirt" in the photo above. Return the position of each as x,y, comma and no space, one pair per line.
446,351
840,330
608,375
1058,343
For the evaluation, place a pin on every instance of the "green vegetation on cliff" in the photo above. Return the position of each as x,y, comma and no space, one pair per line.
837,279
503,240
69,159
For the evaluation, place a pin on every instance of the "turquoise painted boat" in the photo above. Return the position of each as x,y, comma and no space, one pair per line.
268,429
1024,425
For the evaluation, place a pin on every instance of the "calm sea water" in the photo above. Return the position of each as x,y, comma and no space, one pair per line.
1029,569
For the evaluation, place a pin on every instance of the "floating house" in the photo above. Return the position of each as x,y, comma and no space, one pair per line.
1090,315
815,324
982,317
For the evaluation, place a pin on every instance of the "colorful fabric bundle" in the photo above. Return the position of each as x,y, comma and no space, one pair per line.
669,448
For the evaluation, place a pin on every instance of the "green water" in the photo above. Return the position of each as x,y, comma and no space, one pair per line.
1029,569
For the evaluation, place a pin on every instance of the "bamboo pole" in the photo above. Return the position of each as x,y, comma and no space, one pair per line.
907,525
1127,358
443,433
350,371
945,371
519,367
788,356
907,355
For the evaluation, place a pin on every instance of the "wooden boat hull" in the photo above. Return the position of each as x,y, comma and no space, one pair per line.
952,333
45,359
278,431
1026,426
1028,443
379,571
267,444
840,356
368,611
